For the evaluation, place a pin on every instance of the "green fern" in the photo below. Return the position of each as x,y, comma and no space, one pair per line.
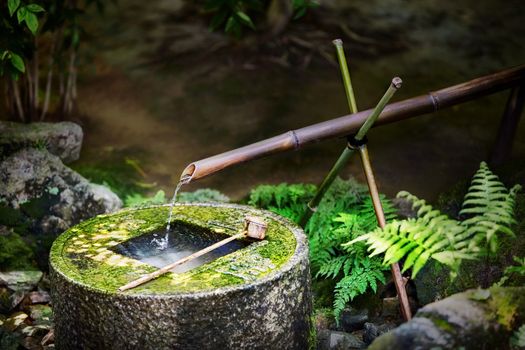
513,275
203,195
490,207
136,200
360,276
283,199
345,213
352,268
518,338
433,235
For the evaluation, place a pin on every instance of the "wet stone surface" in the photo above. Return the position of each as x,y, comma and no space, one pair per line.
256,297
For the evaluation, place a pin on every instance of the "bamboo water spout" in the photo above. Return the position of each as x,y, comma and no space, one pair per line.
348,124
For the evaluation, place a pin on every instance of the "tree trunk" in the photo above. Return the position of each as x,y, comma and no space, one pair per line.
18,101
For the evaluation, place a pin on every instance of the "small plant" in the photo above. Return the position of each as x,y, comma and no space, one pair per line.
286,200
203,195
138,200
518,338
345,213
488,207
39,54
351,267
14,252
234,15
513,274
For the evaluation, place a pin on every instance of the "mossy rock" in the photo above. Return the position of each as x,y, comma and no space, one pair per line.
255,297
475,319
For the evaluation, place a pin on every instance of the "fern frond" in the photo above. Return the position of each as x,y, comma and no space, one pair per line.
365,274
490,207
433,235
518,338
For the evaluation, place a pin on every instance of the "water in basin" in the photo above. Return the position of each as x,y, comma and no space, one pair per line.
183,240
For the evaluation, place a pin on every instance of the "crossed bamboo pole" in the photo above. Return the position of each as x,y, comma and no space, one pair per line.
358,142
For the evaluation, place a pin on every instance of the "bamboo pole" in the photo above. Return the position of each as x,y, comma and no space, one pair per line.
349,124
347,152
312,205
380,215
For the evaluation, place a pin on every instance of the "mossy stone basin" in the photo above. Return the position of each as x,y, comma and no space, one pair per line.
255,297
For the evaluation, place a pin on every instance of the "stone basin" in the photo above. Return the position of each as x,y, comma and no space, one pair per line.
256,295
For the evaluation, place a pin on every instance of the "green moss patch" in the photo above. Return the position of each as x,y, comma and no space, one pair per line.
84,253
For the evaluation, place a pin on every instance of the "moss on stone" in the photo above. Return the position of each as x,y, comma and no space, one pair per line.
443,325
84,254
508,305
15,253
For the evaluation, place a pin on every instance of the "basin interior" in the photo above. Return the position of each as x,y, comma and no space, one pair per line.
183,240
101,253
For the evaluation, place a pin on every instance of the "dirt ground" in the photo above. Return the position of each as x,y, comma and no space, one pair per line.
163,90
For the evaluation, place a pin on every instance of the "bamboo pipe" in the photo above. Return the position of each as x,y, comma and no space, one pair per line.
348,124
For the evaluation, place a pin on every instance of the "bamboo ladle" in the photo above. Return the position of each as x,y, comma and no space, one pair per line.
254,227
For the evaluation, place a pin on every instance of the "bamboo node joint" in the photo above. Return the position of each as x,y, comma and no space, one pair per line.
356,144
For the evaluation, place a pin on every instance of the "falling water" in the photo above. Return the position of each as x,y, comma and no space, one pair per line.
162,243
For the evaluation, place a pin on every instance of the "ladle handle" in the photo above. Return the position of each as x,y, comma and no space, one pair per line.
167,268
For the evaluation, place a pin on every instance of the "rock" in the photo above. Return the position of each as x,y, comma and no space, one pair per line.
35,331
41,314
38,297
343,340
50,195
353,319
108,199
16,298
5,301
63,139
372,331
391,307
23,281
9,340
469,320
434,283
324,319
31,343
49,338
14,321
323,339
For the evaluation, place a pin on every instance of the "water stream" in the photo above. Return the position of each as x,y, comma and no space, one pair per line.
162,243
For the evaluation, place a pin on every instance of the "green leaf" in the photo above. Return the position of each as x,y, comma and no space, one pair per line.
230,25
17,62
245,19
12,5
21,14
34,8
31,22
